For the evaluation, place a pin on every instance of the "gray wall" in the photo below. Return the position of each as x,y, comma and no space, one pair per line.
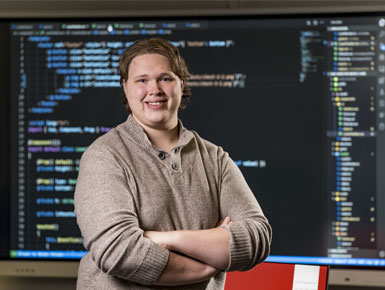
70,284
81,8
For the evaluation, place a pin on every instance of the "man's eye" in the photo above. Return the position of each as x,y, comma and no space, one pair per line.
167,79
141,81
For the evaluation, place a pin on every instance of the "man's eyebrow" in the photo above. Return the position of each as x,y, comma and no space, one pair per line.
166,73
141,76
169,73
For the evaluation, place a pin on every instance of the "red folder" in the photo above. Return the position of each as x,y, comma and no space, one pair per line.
270,276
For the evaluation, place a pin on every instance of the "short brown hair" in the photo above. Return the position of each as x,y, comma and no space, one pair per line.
158,46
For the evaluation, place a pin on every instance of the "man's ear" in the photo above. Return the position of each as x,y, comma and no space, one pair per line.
124,82
182,85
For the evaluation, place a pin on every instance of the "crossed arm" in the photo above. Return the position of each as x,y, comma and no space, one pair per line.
195,255
116,244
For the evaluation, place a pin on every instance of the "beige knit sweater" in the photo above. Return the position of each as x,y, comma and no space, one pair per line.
126,186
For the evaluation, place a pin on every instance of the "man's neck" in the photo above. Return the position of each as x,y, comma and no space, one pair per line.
162,138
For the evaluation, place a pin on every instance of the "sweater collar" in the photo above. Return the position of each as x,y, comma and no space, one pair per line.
137,133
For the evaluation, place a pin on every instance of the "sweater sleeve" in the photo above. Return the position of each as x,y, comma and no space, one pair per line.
250,232
106,215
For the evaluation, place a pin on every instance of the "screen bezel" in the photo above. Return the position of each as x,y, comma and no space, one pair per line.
5,115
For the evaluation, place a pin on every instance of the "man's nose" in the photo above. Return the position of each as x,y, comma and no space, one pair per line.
154,88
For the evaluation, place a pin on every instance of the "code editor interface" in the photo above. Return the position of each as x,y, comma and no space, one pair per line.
299,104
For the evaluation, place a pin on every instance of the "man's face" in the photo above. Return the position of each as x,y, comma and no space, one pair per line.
153,91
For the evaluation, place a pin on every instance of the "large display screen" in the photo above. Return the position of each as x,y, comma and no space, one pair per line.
298,102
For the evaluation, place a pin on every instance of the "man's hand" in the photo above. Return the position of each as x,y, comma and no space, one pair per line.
224,222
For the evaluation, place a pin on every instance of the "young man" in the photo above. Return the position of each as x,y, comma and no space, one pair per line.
156,204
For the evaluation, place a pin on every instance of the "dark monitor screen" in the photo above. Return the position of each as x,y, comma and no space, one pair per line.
298,102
